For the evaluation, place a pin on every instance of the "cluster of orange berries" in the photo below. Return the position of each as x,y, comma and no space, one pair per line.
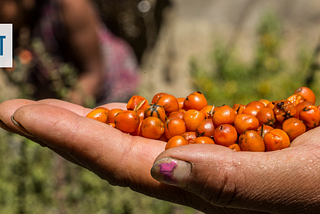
260,125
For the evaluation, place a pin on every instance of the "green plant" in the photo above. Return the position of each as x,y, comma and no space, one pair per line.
268,75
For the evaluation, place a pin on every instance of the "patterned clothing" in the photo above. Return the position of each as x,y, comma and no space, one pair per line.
50,71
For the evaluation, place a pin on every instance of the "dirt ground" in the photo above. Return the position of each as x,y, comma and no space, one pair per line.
191,27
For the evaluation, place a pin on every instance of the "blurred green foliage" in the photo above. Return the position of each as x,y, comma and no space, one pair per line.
35,180
229,79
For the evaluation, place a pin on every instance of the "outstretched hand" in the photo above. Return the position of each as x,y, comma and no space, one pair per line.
210,178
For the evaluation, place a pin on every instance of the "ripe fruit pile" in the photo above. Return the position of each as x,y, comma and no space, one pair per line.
259,126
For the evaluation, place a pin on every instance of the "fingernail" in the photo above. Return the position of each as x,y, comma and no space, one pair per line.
171,171
21,128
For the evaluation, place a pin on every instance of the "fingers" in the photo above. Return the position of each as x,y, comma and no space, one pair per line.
117,157
80,110
8,108
268,182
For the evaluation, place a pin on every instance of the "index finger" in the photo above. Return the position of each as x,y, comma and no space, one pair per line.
119,158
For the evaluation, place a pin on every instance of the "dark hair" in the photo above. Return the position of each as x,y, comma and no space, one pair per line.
35,13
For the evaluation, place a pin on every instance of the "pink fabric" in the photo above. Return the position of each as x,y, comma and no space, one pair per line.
121,67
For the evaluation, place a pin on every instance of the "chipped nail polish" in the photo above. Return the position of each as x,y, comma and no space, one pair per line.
171,171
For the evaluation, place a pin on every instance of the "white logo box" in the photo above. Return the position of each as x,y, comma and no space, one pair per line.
6,47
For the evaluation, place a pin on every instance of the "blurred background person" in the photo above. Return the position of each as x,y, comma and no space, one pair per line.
63,50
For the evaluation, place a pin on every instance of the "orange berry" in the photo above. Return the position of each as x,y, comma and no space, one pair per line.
176,114
223,115
137,132
270,105
173,127
195,100
126,121
112,113
203,140
205,128
169,102
140,114
310,115
100,107
264,129
192,118
293,127
264,101
301,106
208,111
251,141
307,94
235,147
244,122
152,127
176,141
251,110
225,135
257,104
155,110
136,100
190,136
296,99
99,114
181,102
238,108
266,116
283,110
276,139
157,96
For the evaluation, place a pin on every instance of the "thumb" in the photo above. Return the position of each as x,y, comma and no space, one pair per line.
259,181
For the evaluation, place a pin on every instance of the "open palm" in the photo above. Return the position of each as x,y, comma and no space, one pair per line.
210,178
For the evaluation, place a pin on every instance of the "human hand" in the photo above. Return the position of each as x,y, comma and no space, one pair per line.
210,178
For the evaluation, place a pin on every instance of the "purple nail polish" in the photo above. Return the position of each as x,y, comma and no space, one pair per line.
167,169
171,171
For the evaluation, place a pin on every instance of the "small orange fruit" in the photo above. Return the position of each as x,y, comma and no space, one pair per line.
203,140
152,127
195,100
192,118
251,141
205,128
235,147
176,141
266,116
225,135
276,139
99,114
173,127
307,94
155,110
190,136
244,122
294,127
223,115
310,115
126,121
136,100
169,102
